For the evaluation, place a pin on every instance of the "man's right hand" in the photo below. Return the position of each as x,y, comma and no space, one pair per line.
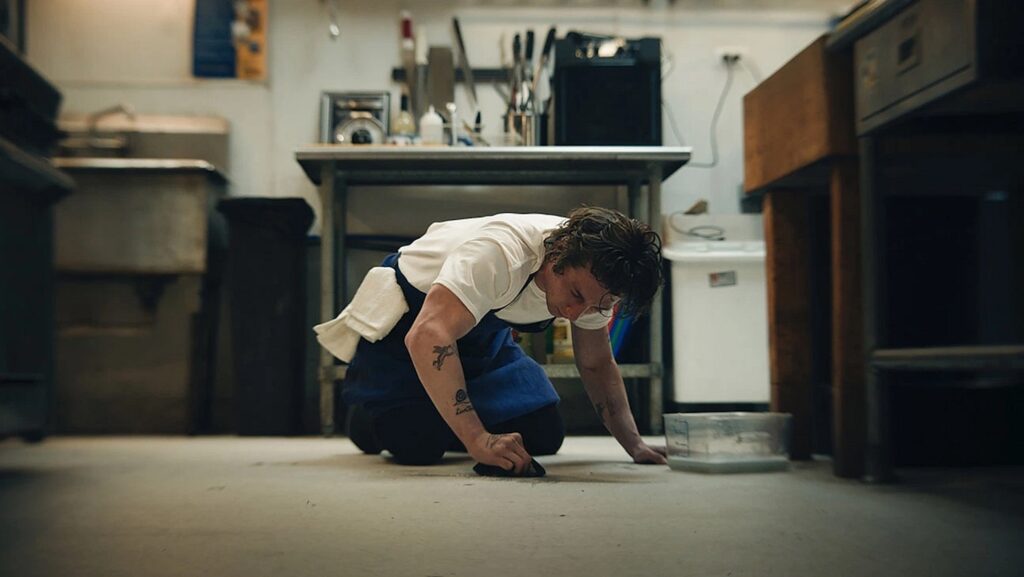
501,450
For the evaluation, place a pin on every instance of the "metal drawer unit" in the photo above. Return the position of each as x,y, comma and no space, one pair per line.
966,50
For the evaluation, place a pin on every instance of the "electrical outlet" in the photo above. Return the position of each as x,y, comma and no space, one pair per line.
730,54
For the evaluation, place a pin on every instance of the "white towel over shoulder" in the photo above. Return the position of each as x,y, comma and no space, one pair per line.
373,312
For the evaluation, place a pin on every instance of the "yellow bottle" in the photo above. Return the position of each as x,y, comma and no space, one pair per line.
562,341
404,123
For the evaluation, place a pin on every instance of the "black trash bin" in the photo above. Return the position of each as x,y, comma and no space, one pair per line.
266,284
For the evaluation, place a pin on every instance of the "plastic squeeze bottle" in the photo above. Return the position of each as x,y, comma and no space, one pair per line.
432,127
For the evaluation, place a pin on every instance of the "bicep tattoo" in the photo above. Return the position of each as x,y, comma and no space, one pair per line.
442,353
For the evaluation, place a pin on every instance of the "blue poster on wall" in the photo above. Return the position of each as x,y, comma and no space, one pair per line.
213,50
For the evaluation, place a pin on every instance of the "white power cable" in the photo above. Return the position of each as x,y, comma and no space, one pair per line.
751,68
713,130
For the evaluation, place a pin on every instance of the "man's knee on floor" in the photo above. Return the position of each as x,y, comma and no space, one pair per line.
360,430
416,454
548,433
545,441
545,444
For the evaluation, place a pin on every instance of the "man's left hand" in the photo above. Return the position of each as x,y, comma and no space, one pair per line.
645,454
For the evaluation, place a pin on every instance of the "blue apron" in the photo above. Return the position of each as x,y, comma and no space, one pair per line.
502,381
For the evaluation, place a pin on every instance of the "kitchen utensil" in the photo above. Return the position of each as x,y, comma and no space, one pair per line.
440,77
474,134
453,122
467,70
408,50
528,57
525,125
354,117
517,59
526,74
542,61
360,128
332,11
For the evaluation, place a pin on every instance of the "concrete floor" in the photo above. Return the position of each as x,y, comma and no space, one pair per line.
309,506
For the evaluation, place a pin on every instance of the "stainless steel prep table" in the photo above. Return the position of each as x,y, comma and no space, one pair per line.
334,168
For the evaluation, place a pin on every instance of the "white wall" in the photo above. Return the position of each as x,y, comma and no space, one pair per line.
139,51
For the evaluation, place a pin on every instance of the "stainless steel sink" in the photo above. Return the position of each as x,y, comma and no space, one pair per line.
146,136
151,166
92,142
145,188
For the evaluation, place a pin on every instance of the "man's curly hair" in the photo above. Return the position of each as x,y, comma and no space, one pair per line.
622,253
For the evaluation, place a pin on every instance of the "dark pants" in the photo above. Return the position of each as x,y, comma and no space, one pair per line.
417,435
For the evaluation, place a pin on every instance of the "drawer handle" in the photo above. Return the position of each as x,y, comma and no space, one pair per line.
908,51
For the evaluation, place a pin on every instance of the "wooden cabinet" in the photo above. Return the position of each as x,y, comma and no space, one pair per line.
799,141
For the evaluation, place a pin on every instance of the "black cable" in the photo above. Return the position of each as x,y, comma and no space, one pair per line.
706,231
710,232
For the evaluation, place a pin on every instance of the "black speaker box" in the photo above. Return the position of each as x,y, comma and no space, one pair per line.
607,91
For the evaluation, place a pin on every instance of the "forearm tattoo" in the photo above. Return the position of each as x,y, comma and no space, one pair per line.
442,353
462,404
606,409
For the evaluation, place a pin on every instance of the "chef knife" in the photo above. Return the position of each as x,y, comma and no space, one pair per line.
517,65
528,58
542,60
467,71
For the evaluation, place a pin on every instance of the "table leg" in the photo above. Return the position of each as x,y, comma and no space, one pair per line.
848,394
878,461
657,360
327,294
789,326
645,205
340,243
635,193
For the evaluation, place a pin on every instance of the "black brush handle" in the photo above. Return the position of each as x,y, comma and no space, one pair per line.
549,41
529,47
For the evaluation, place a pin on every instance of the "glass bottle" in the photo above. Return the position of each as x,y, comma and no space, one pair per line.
404,123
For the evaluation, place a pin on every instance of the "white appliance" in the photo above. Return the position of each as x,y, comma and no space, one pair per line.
719,311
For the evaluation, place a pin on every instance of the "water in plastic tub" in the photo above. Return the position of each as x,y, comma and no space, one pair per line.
728,442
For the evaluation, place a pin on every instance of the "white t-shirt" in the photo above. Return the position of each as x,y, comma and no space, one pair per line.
485,262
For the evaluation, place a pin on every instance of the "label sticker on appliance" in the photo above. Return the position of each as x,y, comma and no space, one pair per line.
720,279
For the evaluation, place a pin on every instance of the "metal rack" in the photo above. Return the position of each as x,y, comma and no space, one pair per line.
335,168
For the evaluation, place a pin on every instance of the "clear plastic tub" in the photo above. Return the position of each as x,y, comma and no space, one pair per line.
728,442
